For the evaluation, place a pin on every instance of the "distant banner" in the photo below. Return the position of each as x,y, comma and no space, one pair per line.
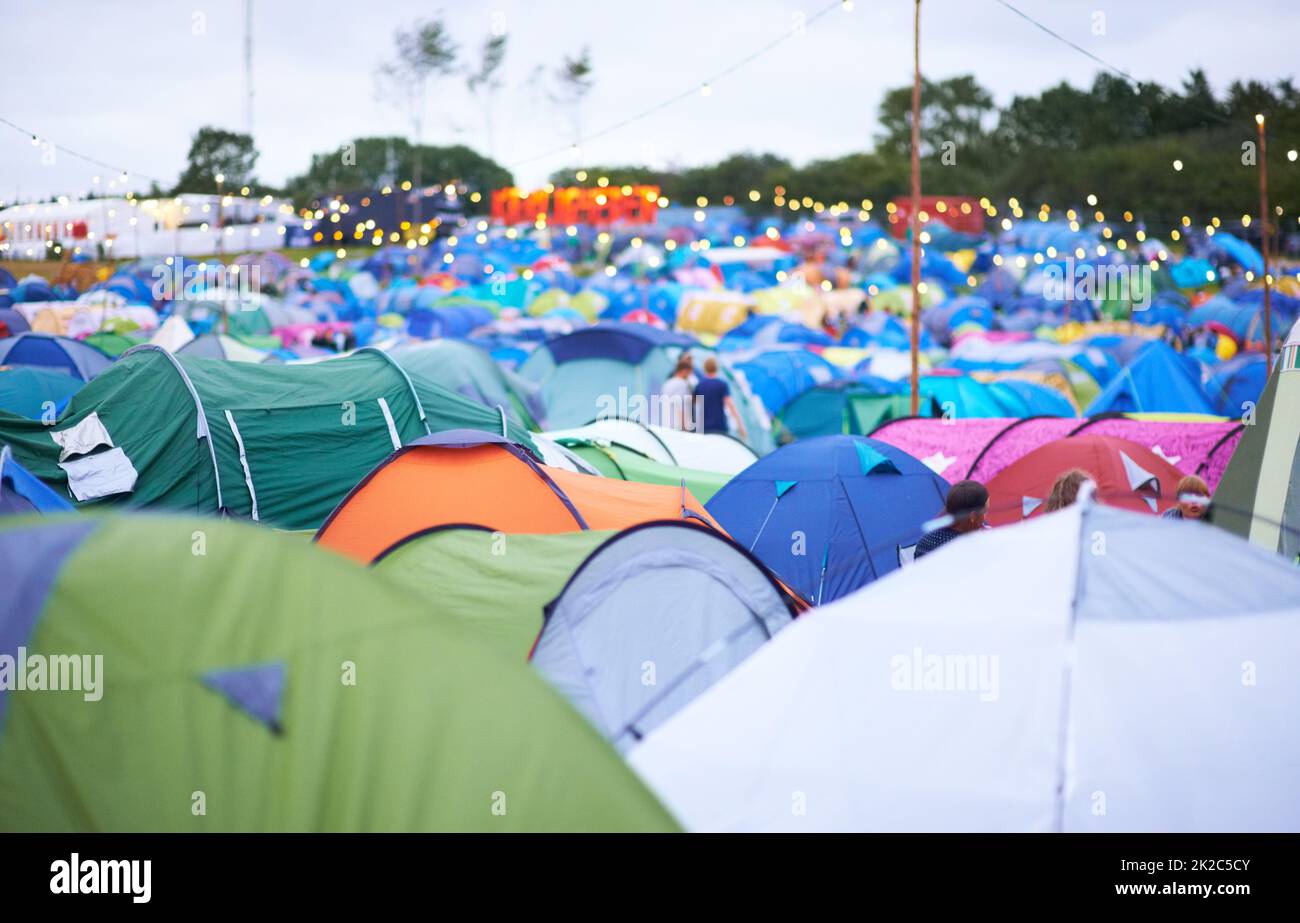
600,205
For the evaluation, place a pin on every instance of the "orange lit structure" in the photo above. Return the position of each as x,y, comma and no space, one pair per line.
597,205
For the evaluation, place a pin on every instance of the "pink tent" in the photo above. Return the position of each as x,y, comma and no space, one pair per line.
980,448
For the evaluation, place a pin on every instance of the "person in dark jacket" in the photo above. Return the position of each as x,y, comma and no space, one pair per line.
966,506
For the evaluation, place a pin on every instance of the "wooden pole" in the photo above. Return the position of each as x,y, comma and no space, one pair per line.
1263,240
916,214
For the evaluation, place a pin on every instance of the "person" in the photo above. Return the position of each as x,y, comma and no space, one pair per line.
1066,489
966,506
716,402
1193,500
676,393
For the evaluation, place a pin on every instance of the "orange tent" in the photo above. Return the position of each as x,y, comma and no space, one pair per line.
474,478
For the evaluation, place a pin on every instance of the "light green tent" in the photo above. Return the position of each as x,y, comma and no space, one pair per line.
495,583
618,461
277,443
249,682
1259,495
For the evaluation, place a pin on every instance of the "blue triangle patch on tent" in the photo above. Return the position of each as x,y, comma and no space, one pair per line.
783,486
257,691
871,460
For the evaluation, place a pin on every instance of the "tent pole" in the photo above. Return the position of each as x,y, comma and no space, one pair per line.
916,209
1263,239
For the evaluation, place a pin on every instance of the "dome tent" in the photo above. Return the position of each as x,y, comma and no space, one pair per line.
205,692
1126,474
467,477
22,492
689,602
54,352
1133,656
830,514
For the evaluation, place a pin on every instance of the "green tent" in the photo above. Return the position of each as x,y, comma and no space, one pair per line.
253,683
496,583
277,443
845,407
618,461
1259,495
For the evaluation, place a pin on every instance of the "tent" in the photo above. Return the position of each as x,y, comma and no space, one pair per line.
1126,473
495,583
32,391
849,406
1236,385
615,370
779,375
1157,378
614,460
654,617
830,514
54,352
980,448
277,443
22,492
469,370
1259,496
703,451
294,691
473,478
1019,681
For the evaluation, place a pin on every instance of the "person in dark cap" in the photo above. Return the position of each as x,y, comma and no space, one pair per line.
966,506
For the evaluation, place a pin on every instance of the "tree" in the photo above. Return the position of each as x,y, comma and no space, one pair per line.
424,51
952,110
483,80
574,81
213,151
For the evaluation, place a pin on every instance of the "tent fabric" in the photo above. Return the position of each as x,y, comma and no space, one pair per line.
34,392
980,448
1259,495
454,724
848,407
23,492
467,370
54,352
1011,699
1126,474
614,460
1157,379
497,584
831,514
493,484
654,617
703,451
288,441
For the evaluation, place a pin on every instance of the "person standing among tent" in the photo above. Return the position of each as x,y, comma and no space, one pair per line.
715,400
677,394
1193,500
966,506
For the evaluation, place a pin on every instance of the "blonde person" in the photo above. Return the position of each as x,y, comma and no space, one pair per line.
1066,490
1193,500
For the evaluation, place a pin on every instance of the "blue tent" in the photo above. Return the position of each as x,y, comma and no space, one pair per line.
1236,383
831,514
78,359
778,375
1157,379
23,492
12,323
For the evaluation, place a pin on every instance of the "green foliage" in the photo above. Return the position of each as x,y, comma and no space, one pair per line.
213,151
367,163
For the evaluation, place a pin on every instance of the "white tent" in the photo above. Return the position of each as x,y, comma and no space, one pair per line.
702,451
1092,670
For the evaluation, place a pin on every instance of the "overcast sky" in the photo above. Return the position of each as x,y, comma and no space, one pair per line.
130,82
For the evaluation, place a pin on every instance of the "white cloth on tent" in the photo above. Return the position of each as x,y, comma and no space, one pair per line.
101,475
82,437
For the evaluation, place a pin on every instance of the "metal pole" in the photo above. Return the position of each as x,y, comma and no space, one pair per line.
916,214
1263,239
